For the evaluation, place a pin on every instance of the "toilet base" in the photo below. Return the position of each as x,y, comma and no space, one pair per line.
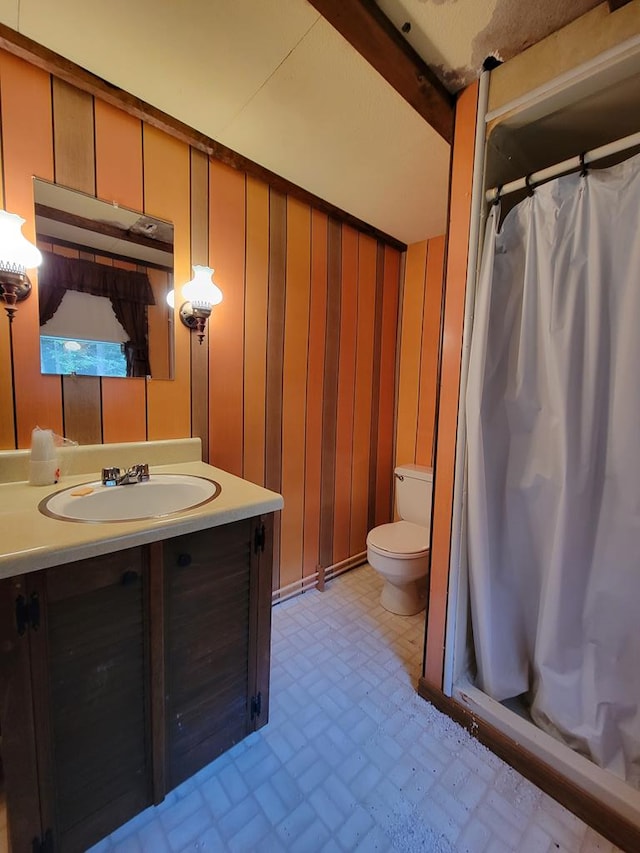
405,599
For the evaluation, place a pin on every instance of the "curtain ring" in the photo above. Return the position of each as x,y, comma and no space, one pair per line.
583,165
497,196
529,185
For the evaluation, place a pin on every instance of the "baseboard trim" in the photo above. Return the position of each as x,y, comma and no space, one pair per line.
592,811
354,562
318,579
284,593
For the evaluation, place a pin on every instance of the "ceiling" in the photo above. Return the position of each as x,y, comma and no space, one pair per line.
274,81
83,221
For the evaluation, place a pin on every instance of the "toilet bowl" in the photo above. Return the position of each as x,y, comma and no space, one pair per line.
399,551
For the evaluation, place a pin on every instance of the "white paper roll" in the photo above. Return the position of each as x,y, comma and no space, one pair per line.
43,473
43,448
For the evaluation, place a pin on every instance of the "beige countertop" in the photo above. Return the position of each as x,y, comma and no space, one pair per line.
31,541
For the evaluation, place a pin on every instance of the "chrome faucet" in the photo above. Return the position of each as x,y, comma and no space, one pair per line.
135,474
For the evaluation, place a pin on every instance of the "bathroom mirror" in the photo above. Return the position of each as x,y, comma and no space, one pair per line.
102,287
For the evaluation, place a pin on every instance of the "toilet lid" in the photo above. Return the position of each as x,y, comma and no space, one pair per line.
400,537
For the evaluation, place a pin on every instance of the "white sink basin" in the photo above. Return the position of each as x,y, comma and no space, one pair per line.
162,495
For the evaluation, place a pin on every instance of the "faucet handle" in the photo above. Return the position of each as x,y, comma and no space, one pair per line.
110,476
142,471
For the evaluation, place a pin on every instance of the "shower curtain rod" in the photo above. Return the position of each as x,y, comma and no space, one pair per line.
569,165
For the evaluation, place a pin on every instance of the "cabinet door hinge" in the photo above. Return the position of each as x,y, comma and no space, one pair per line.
260,539
27,613
256,706
44,844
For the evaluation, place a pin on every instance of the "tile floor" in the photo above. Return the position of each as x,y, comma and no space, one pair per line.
352,759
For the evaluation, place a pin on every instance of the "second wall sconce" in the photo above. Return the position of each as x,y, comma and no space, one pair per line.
201,293
17,255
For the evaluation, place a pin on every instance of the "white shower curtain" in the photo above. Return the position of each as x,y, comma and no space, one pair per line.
553,427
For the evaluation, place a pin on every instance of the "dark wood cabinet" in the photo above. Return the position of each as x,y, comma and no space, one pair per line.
123,674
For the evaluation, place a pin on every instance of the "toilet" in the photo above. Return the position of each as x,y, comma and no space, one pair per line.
400,551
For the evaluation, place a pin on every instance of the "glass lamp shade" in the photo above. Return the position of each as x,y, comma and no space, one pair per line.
17,254
171,299
201,291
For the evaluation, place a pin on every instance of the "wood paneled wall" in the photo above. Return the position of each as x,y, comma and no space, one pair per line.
419,352
294,387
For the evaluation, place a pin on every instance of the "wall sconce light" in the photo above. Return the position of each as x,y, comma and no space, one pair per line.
17,255
201,293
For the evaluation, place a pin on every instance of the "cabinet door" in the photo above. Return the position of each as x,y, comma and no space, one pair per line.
208,637
20,823
90,676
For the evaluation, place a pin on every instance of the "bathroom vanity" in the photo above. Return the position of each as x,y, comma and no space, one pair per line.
127,669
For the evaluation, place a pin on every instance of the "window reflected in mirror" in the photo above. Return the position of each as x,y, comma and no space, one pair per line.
82,357
102,287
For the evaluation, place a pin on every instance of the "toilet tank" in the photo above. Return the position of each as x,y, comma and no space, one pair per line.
414,487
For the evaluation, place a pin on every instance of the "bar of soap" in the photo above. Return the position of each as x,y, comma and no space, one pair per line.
82,491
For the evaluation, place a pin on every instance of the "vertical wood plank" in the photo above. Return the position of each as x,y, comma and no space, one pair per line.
118,144
124,410
7,412
375,388
226,325
275,356
455,283
410,349
7,422
73,137
166,195
315,392
330,395
118,140
363,393
255,329
199,207
200,255
160,329
294,381
83,409
430,352
27,142
386,419
346,390
74,166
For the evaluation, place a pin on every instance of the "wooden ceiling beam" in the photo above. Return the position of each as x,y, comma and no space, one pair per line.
365,26
104,228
